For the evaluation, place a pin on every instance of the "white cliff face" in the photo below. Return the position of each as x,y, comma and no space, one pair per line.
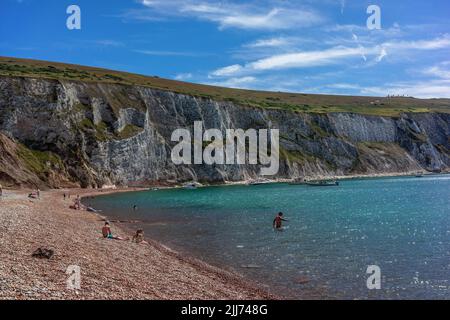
116,134
364,128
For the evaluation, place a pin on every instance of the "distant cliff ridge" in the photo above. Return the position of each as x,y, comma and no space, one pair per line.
67,133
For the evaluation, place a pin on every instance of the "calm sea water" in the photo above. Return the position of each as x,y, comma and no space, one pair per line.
400,224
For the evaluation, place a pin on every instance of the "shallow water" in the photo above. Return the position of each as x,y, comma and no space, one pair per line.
333,234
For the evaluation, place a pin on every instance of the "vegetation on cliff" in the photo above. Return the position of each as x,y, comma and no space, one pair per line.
69,125
311,103
21,166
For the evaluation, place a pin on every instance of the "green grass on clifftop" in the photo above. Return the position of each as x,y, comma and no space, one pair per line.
296,102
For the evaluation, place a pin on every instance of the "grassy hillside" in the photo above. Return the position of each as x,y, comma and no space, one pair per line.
264,99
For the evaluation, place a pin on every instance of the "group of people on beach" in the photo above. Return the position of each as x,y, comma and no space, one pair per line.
139,235
77,205
32,195
137,238
106,230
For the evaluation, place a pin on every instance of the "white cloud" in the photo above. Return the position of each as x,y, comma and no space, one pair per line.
269,42
239,15
437,43
305,59
356,39
383,54
438,72
441,70
203,8
267,46
227,71
284,46
333,55
293,60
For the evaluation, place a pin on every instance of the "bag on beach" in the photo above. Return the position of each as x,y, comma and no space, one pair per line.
43,253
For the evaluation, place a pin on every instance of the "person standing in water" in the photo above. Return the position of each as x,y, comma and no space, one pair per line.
277,222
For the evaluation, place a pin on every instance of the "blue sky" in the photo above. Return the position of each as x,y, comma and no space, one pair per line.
320,46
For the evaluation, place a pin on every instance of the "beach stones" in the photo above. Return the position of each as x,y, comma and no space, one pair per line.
43,253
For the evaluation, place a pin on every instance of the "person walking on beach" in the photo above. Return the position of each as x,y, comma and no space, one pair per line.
277,222
107,234
38,193
1,191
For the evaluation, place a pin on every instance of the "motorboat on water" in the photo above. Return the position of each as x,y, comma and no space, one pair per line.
323,183
299,181
419,174
258,182
192,185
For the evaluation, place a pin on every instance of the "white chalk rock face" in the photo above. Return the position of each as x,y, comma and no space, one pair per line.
110,134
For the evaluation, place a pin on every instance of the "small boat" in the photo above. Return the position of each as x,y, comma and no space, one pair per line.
322,183
419,175
299,181
192,185
258,182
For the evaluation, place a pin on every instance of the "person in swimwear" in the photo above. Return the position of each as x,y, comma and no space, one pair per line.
107,234
139,237
278,221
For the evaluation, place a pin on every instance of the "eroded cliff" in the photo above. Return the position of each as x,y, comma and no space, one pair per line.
96,134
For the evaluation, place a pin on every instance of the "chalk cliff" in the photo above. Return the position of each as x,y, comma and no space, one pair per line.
60,133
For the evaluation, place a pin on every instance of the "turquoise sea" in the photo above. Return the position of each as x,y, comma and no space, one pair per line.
400,224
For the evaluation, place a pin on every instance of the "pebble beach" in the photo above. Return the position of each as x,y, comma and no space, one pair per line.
110,269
